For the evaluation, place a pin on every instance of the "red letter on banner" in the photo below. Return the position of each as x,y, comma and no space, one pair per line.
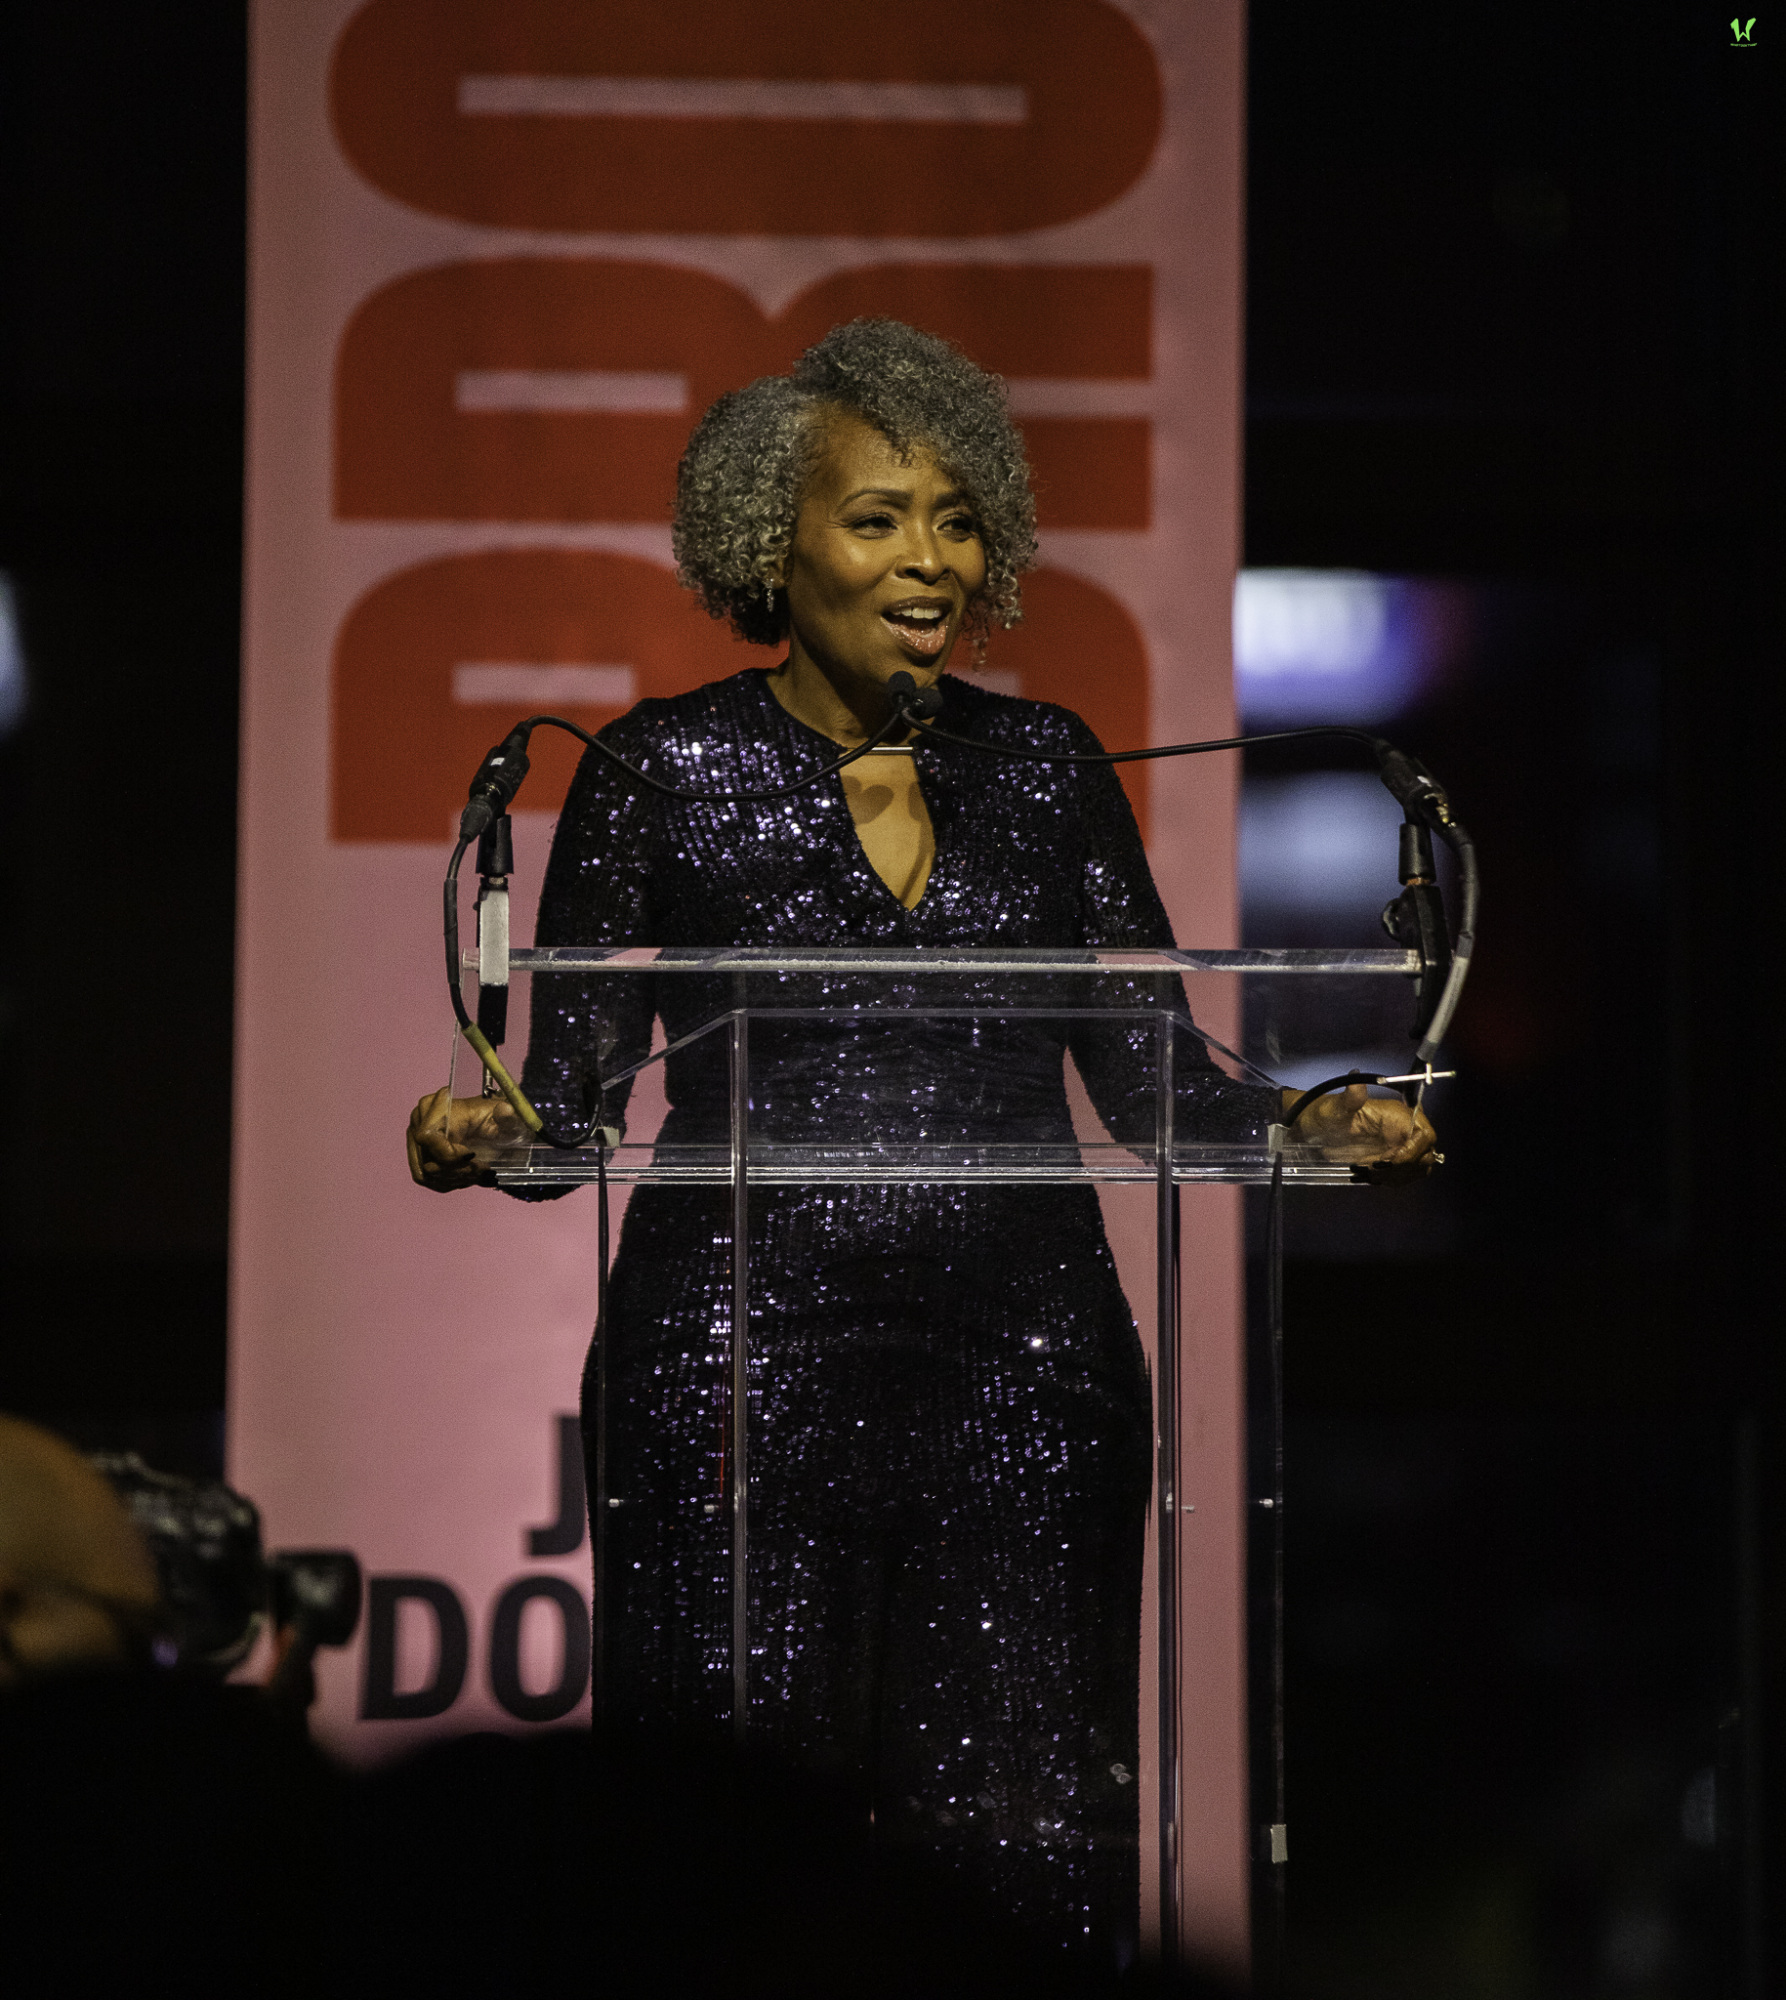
1046,321
1079,647
408,447
410,724
423,657
796,117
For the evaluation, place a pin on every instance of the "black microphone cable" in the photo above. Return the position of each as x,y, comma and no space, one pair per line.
499,776
1413,786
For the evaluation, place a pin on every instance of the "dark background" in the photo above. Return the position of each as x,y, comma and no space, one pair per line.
1512,311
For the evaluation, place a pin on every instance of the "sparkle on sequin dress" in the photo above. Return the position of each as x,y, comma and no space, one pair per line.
950,1419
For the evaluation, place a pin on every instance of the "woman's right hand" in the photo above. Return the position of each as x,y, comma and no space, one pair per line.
446,1135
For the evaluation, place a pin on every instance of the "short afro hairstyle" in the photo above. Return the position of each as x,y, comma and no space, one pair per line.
738,487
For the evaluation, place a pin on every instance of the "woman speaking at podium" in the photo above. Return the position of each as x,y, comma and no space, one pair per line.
951,1453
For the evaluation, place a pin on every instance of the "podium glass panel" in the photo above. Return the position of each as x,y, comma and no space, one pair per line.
880,1372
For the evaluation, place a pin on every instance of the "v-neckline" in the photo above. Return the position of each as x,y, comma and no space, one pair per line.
862,864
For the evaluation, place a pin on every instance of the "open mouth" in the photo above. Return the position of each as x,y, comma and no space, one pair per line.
921,625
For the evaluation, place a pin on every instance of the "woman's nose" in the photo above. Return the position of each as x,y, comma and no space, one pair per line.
925,559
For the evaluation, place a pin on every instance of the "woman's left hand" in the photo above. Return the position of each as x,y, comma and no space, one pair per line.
1384,1135
452,1138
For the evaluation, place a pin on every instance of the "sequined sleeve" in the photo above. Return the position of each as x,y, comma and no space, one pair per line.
1122,908
597,891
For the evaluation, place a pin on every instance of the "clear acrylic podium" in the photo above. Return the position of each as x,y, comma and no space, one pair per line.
1275,1019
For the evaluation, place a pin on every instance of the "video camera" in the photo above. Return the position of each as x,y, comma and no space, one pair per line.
220,1590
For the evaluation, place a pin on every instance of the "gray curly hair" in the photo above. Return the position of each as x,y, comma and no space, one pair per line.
739,484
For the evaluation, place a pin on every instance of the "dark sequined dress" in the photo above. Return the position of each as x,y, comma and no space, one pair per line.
950,1419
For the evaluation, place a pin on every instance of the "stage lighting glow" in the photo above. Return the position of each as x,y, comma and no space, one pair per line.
1318,846
1337,645
12,661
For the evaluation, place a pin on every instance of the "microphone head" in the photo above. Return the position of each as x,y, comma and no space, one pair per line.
911,699
498,780
1413,786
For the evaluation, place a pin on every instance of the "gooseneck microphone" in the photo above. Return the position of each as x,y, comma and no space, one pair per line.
498,780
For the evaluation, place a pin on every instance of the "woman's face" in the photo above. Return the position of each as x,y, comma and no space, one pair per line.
885,561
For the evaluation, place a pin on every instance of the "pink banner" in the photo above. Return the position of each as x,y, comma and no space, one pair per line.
503,253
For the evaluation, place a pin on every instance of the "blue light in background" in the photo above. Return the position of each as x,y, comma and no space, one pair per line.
1318,854
1339,645
1320,845
1318,850
12,661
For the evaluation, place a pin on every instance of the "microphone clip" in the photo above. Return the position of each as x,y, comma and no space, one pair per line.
496,863
1416,920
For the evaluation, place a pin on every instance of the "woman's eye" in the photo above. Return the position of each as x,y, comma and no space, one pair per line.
961,524
875,521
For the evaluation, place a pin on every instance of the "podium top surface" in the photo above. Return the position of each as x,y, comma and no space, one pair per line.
948,959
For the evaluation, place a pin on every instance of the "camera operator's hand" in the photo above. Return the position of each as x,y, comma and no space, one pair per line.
448,1134
78,1585
1384,1135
